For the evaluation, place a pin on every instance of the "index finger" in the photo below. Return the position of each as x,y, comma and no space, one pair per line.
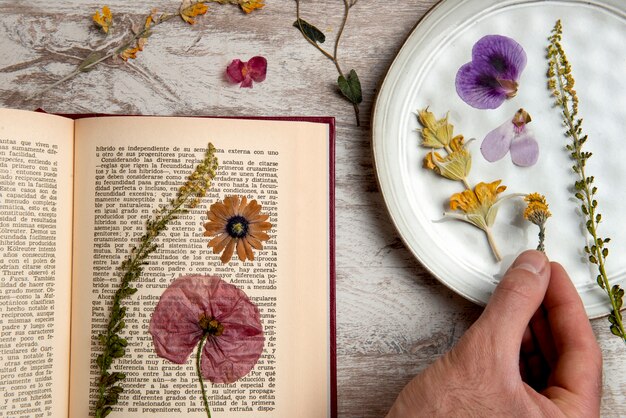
579,365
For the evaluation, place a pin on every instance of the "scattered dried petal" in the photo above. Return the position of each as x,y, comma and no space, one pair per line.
246,72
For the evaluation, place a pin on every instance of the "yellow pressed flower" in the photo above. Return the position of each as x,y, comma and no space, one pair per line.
250,5
130,53
435,133
104,20
537,212
426,118
479,207
479,200
455,166
189,10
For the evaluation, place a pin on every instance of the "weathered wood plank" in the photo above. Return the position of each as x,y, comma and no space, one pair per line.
393,318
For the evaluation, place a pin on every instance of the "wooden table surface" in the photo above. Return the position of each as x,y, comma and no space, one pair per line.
393,318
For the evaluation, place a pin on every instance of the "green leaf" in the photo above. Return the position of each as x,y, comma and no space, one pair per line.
310,31
351,87
118,352
91,59
615,331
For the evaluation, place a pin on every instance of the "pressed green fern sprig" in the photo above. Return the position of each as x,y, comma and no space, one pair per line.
561,84
113,345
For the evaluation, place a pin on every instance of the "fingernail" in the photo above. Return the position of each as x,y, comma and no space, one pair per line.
532,261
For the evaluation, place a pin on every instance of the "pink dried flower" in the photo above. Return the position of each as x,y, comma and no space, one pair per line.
246,72
193,308
515,137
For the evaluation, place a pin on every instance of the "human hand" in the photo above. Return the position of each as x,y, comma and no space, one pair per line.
531,353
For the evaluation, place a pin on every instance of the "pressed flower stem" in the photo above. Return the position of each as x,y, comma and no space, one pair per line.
492,244
199,371
542,237
334,56
564,96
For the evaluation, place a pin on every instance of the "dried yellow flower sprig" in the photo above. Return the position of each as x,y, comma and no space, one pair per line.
561,84
135,41
537,212
103,21
477,206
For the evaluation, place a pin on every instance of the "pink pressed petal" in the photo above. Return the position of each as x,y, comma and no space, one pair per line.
524,150
257,68
174,323
234,71
232,355
225,360
176,331
247,82
497,142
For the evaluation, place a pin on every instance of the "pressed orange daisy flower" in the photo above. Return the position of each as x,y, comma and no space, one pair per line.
236,224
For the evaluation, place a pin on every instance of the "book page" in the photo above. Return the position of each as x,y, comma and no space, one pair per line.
125,168
36,163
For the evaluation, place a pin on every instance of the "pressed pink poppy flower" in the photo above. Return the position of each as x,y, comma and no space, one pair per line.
246,72
194,309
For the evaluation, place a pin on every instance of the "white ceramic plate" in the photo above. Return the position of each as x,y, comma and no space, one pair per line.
423,74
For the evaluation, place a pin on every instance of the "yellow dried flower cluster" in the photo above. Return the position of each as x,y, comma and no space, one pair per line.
477,206
104,20
537,208
200,180
189,9
537,213
439,134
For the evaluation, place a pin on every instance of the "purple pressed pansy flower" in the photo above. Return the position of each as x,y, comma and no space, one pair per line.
197,307
491,77
513,135
246,72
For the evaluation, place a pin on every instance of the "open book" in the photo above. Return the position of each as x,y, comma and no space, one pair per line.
74,198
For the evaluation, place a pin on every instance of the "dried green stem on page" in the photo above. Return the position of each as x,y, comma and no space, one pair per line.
349,85
113,345
561,84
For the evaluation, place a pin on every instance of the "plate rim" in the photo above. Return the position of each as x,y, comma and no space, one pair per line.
418,36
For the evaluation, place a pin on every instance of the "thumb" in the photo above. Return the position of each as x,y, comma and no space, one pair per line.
515,300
